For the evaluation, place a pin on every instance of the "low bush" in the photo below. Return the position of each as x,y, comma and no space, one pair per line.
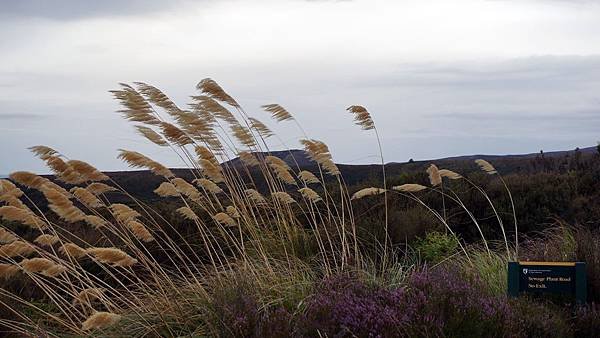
436,246
586,322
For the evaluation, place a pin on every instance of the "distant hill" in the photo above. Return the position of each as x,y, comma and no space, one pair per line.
293,157
141,183
297,157
560,153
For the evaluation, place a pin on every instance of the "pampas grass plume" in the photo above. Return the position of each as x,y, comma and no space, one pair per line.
224,219
434,175
256,197
16,248
279,113
86,198
308,177
88,295
409,187
100,320
166,189
98,188
140,231
8,270
113,256
367,192
95,221
362,117
232,211
43,266
46,240
450,174
6,236
282,197
248,159
310,194
72,250
123,213
187,213
486,166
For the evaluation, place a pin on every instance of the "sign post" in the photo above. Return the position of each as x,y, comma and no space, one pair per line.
566,278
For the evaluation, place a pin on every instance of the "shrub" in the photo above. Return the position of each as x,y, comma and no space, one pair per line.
433,303
587,321
448,304
436,246
532,318
234,311
345,307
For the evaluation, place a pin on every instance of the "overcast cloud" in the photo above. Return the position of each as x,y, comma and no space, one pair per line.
441,78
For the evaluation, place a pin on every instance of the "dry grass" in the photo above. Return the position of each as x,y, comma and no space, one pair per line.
140,271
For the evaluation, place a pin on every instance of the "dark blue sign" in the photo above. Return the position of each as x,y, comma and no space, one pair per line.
565,278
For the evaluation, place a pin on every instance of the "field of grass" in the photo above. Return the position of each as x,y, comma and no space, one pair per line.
261,247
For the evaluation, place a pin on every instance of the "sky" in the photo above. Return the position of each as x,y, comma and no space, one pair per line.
440,78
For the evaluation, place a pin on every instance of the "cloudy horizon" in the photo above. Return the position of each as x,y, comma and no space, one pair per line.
440,78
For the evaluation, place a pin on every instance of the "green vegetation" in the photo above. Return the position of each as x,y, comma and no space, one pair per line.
243,243
436,247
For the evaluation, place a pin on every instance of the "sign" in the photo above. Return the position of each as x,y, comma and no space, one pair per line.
564,278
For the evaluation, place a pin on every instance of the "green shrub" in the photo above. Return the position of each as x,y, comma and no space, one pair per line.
436,247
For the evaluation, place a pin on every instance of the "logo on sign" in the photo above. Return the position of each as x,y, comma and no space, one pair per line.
525,271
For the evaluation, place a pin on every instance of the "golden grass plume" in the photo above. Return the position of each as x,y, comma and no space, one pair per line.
449,174
362,117
282,197
187,213
42,266
16,248
46,240
434,175
279,113
72,250
486,166
137,160
8,271
310,194
86,198
7,236
100,320
113,256
140,231
307,177
367,192
411,187
208,185
98,188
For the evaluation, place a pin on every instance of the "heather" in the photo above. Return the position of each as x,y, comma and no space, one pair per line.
249,244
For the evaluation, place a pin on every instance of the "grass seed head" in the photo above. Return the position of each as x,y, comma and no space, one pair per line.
100,320
367,192
411,187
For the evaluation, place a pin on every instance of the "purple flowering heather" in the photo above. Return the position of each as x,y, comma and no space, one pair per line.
435,303
343,306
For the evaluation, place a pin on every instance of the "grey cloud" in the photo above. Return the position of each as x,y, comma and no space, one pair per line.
76,9
564,115
541,71
20,116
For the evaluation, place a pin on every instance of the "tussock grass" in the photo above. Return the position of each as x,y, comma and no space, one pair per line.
260,225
